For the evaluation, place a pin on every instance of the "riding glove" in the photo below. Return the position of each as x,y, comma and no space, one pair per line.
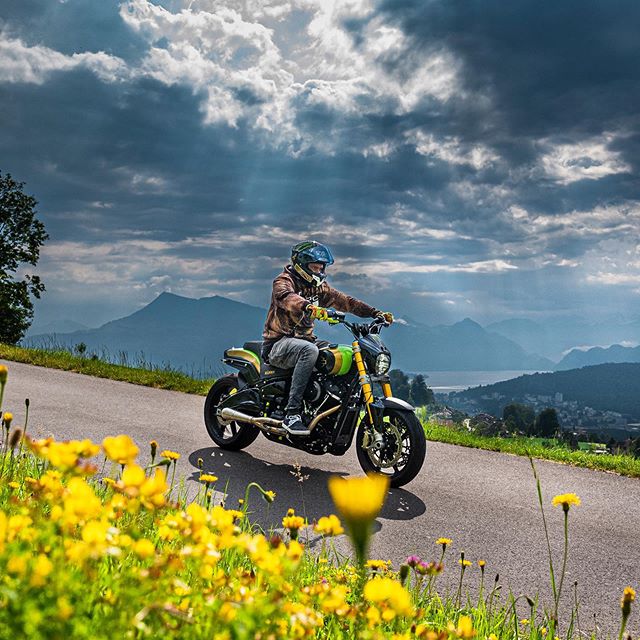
387,316
320,313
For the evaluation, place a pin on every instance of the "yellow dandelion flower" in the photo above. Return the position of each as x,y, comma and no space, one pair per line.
207,478
7,419
269,496
41,569
465,563
359,501
388,595
170,455
444,541
628,596
464,629
14,485
566,500
293,522
121,449
481,564
329,526
4,372
144,548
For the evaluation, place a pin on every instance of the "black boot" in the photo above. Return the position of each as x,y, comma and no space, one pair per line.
294,425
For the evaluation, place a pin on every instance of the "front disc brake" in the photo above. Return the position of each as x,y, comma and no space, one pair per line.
379,445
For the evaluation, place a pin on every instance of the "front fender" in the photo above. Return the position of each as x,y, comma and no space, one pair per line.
397,403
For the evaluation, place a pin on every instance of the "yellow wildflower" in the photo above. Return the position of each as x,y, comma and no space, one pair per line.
566,500
208,478
17,565
65,610
121,449
144,548
41,569
464,629
269,496
329,526
465,563
359,501
170,455
628,596
379,565
14,485
293,522
389,596
444,541
7,419
481,564
4,372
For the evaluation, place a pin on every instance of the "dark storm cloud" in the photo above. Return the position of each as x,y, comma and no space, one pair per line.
71,27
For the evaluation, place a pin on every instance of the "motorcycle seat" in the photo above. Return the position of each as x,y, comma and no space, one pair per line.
269,371
255,346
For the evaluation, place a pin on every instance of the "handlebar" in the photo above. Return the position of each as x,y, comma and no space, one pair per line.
362,328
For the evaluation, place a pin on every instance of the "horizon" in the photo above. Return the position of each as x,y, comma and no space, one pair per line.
460,159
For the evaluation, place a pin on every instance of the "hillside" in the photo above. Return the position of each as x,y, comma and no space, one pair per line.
597,355
606,387
192,335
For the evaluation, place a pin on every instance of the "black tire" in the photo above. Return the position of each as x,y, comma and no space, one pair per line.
235,435
413,448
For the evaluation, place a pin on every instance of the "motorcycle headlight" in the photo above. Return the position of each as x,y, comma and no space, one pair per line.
383,364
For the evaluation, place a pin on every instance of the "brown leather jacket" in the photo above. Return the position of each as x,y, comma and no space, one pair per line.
289,298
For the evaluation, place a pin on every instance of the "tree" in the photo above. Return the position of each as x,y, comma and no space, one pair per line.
21,236
547,423
519,416
400,384
419,394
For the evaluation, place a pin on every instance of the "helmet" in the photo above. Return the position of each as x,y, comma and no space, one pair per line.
310,251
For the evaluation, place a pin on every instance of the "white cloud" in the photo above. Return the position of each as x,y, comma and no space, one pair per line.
22,63
452,150
588,159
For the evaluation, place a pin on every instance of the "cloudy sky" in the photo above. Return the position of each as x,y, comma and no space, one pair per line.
461,157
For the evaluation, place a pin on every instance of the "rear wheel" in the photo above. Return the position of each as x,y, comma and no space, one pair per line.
398,452
229,435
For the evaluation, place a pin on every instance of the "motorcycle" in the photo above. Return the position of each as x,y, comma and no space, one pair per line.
338,403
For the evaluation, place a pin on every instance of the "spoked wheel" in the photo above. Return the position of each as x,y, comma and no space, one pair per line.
398,452
226,434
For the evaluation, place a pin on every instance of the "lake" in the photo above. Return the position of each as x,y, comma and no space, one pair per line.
446,381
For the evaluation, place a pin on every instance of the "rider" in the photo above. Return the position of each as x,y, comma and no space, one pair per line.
300,296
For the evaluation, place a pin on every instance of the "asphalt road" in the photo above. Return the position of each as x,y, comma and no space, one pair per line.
485,502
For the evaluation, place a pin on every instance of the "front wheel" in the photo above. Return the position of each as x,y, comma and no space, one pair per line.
398,452
232,436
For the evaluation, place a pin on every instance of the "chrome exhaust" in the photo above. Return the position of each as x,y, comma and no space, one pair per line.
268,424
262,422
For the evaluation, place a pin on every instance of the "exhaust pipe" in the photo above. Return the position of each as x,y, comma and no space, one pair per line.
269,424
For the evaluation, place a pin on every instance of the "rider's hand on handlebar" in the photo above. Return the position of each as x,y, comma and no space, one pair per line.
387,316
320,313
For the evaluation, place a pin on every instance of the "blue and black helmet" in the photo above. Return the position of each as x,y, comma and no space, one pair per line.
310,251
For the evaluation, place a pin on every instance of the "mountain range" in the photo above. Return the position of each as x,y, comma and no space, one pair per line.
577,358
191,335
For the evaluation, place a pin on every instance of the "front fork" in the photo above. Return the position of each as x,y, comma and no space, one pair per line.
375,408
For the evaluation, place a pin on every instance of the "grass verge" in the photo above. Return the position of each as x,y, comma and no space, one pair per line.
157,377
622,464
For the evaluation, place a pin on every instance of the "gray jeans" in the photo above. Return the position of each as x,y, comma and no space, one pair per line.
299,355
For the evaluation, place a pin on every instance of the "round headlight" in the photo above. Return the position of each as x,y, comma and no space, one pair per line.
383,363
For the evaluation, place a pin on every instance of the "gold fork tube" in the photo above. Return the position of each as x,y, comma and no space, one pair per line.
365,382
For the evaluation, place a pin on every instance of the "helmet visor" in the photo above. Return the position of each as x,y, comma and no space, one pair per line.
319,253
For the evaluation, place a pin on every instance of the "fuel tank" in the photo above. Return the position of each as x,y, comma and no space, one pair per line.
335,360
